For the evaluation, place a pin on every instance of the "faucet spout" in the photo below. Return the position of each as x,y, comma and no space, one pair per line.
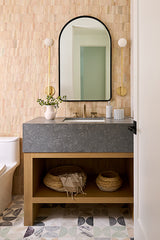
84,111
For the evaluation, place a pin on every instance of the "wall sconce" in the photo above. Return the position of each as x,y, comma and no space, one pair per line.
122,91
49,90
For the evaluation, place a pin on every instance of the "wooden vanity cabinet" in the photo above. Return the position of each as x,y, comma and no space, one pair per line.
36,166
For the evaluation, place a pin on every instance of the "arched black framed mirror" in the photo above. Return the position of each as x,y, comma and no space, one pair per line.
85,60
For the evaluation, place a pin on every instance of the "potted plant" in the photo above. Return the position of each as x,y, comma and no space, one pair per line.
51,105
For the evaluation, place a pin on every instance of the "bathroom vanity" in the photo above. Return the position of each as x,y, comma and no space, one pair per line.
93,144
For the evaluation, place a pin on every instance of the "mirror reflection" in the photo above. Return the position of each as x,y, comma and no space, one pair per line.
85,60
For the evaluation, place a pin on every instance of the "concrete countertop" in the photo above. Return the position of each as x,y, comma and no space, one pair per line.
41,135
60,120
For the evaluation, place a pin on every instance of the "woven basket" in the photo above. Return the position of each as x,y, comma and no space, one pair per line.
109,181
53,181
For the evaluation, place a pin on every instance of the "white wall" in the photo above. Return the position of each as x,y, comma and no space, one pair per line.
146,62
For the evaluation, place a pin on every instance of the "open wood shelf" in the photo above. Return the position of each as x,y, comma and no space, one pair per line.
36,165
93,195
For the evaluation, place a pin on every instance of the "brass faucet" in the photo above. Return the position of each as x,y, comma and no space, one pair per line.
93,114
75,114
84,111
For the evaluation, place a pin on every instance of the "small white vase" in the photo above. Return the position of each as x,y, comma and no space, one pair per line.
50,112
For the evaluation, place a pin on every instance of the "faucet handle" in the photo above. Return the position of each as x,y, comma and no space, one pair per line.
76,114
93,114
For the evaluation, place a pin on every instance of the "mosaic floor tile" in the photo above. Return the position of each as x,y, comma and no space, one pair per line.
85,220
68,232
120,220
85,231
13,233
120,238
67,238
49,238
29,232
119,232
129,221
102,238
130,231
68,222
101,221
103,232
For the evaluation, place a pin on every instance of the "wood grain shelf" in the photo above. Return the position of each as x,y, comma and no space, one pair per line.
37,164
93,195
81,155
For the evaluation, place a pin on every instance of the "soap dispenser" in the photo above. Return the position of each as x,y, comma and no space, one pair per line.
109,110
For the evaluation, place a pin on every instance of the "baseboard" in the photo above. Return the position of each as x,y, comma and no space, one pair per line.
139,231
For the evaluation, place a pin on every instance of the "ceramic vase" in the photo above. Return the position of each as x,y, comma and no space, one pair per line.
50,112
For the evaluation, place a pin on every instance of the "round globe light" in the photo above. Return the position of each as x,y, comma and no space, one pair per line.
122,42
48,42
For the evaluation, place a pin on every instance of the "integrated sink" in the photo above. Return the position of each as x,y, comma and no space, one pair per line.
84,120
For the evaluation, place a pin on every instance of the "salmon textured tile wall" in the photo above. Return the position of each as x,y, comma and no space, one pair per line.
24,24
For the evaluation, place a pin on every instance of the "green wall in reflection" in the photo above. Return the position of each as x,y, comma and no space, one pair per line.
92,71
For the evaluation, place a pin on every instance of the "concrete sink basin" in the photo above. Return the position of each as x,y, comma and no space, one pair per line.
84,120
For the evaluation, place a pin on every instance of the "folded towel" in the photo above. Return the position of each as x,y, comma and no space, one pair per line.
72,183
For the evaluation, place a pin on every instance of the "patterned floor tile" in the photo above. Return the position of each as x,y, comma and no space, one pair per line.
67,238
102,238
49,238
15,233
102,232
119,220
129,221
85,221
119,232
68,222
120,238
130,231
13,213
85,230
101,221
68,232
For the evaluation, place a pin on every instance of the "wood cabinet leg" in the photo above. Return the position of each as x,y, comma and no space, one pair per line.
28,214
28,190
